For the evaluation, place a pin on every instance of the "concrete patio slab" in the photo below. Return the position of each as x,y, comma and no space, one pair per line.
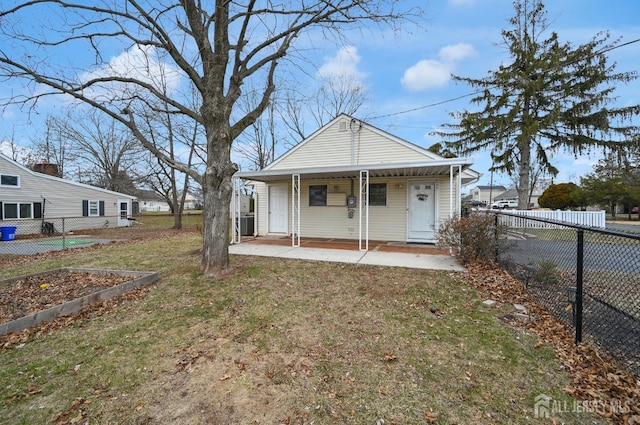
376,258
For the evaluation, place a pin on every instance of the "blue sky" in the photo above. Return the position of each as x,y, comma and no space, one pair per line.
411,71
462,37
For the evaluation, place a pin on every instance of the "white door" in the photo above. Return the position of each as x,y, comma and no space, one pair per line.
421,211
123,212
278,208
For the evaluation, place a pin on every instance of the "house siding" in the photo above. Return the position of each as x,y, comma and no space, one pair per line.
332,147
59,197
388,223
335,146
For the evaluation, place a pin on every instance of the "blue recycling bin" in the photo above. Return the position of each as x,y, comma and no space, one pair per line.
8,233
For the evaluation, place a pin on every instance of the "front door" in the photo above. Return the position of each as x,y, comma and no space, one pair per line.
278,208
123,212
421,211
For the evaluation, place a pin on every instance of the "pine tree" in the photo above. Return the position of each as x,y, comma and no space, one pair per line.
551,97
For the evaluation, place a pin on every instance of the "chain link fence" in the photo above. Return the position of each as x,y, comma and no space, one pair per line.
24,237
589,278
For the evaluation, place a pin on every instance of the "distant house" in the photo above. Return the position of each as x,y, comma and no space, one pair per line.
485,194
512,195
150,200
351,180
27,196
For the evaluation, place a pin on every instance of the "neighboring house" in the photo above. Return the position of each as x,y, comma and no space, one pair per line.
27,195
512,195
485,193
191,202
316,189
149,200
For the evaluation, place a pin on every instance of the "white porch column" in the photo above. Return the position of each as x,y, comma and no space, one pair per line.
459,187
295,210
364,199
235,212
455,194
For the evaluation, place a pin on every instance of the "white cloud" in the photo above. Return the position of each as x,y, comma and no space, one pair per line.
141,63
429,73
457,52
343,64
426,74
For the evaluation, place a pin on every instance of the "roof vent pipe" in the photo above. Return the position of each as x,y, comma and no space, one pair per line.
355,126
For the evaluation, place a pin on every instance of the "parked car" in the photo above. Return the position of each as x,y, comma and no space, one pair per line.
476,203
500,205
635,210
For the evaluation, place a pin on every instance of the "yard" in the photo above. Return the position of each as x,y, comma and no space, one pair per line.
291,342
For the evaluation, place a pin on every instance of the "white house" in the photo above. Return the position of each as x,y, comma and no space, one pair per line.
149,200
350,180
27,196
485,193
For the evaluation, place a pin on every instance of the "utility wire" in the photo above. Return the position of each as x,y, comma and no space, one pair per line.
431,105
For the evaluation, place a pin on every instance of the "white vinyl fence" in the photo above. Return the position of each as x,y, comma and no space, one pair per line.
513,218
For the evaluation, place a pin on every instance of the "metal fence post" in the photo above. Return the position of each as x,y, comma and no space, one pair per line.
495,238
64,239
579,270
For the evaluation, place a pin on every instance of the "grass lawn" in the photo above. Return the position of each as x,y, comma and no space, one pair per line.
278,342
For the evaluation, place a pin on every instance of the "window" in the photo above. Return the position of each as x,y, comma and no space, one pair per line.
8,180
318,195
14,210
92,208
378,194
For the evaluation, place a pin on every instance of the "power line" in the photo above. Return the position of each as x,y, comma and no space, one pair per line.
431,105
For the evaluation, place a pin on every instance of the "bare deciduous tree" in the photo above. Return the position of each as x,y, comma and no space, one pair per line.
337,94
105,152
217,46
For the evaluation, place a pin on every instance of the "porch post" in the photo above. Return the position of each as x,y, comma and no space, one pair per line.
364,199
451,198
235,211
295,210
459,187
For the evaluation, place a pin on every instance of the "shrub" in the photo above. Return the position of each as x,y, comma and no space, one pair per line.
473,236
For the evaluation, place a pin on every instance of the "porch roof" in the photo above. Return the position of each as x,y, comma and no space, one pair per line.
439,167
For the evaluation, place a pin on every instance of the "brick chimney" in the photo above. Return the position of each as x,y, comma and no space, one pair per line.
46,168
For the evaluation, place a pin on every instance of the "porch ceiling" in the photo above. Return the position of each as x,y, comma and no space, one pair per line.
411,169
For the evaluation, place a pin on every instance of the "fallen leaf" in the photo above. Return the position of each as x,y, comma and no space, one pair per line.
430,417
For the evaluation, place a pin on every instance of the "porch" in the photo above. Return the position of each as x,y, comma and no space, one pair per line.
380,253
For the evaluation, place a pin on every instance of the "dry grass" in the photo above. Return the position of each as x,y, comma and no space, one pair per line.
279,341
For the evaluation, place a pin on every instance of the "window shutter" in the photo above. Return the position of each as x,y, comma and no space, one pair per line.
37,210
101,207
1,212
85,208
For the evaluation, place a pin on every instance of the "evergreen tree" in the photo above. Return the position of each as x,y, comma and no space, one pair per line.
560,196
551,97
614,181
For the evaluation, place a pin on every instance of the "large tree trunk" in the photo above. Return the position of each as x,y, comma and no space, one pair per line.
523,180
217,189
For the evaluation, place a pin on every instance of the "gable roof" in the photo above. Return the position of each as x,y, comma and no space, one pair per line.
348,141
27,170
337,150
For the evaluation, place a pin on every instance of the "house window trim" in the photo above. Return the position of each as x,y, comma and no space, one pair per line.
87,208
314,202
18,206
93,208
13,186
